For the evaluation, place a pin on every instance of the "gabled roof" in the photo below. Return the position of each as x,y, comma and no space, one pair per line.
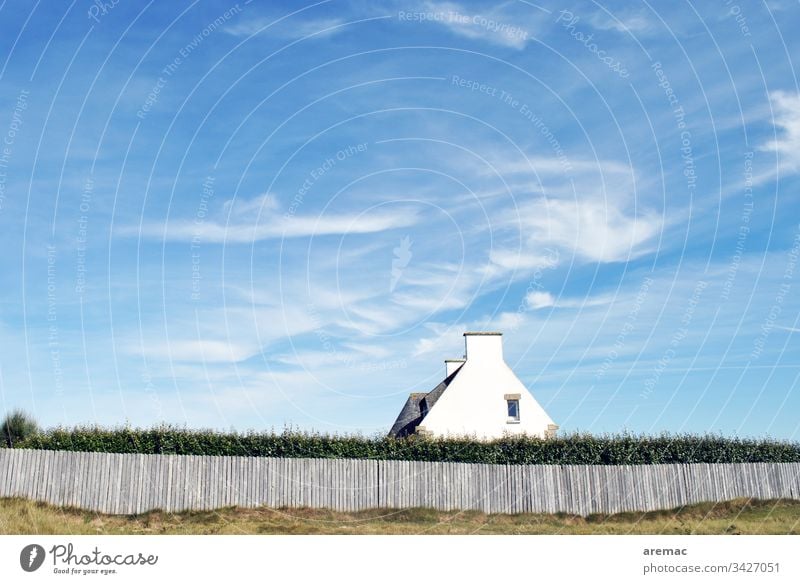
411,415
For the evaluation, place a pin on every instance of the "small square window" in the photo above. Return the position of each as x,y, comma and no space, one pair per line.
513,410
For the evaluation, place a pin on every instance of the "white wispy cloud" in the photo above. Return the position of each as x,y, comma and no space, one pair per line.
594,231
634,23
443,339
197,350
224,334
288,28
537,299
453,286
260,219
591,212
544,165
522,260
248,208
786,107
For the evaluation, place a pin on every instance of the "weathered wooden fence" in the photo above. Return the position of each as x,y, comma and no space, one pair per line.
134,483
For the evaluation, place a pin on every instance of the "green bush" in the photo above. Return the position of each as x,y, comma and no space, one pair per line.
18,427
573,449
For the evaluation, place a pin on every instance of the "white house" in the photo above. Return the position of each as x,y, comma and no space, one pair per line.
480,396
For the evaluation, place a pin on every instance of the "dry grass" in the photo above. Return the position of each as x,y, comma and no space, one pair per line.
19,516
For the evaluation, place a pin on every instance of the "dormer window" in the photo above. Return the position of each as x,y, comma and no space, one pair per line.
512,406
423,407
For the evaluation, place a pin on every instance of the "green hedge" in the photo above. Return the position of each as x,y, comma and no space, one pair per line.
574,449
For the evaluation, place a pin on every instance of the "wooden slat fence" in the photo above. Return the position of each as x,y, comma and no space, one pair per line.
135,483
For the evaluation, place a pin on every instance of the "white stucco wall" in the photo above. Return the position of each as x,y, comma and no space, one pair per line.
474,403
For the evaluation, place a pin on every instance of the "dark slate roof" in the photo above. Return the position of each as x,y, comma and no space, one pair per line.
411,415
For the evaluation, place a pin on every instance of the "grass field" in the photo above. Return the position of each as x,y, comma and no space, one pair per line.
19,516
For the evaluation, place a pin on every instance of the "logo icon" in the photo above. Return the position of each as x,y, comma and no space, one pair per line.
31,557
402,255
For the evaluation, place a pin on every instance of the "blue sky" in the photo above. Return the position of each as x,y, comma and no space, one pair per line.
222,215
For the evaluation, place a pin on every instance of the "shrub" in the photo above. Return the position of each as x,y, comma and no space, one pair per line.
17,427
572,449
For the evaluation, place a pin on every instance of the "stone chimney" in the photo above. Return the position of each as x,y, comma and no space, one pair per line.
485,347
452,365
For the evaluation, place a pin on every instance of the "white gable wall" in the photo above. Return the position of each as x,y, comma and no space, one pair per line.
474,403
